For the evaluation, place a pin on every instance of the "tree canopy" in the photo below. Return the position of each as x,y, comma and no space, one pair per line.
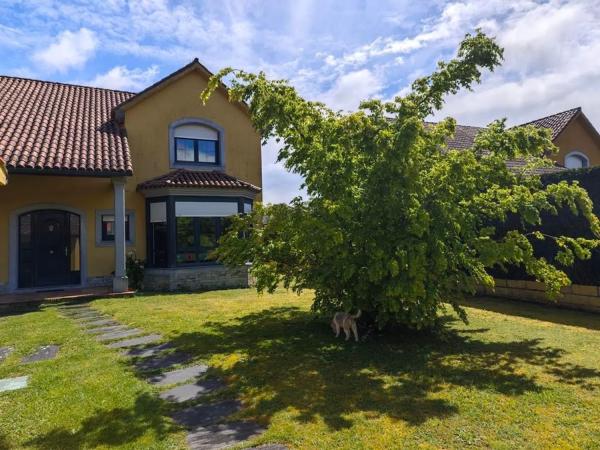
396,223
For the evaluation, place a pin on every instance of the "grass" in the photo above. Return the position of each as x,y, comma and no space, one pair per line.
518,376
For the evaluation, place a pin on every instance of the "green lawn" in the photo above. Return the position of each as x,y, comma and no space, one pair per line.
518,376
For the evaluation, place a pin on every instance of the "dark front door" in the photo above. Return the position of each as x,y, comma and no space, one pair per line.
46,250
52,249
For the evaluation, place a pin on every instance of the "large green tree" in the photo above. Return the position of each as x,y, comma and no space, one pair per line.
395,223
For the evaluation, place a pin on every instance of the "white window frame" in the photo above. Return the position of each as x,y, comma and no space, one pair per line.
197,166
578,154
111,212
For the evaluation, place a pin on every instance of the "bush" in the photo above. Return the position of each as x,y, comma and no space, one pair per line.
135,272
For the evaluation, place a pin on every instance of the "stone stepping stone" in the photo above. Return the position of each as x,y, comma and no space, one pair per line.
110,329
223,435
12,384
98,323
118,334
205,415
88,316
144,352
74,306
179,375
271,447
44,353
5,352
136,341
192,391
162,362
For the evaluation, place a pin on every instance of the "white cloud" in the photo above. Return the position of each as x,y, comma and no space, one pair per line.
350,89
70,50
551,64
122,78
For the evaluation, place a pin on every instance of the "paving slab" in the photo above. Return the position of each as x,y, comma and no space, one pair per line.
74,306
162,362
88,316
5,352
119,334
98,323
109,329
192,391
179,375
12,384
204,415
222,435
136,341
44,353
144,352
271,447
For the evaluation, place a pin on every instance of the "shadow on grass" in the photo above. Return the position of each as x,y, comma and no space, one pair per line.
287,359
547,313
110,427
282,358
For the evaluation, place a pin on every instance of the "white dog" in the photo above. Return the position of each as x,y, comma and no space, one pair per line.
347,322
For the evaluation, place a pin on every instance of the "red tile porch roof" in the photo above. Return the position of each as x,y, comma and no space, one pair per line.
183,178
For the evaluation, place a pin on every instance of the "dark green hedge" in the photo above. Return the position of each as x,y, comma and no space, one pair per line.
567,224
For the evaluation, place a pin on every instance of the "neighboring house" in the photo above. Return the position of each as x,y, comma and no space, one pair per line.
98,173
576,138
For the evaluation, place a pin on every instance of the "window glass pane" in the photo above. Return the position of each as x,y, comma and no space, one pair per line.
108,228
185,233
159,244
25,229
207,151
184,149
575,162
208,232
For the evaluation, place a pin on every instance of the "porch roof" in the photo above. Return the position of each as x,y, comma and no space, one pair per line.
183,178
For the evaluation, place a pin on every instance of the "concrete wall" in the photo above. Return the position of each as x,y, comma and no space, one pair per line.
196,278
576,296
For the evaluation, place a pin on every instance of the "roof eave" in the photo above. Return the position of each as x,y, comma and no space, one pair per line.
69,172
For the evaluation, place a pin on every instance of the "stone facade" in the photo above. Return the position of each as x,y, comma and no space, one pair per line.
198,278
576,296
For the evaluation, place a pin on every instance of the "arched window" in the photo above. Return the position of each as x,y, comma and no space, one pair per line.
196,142
576,160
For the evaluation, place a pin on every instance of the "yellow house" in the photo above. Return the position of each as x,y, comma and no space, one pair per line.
96,174
574,135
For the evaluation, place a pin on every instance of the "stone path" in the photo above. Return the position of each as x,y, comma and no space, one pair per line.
12,384
5,352
44,353
160,364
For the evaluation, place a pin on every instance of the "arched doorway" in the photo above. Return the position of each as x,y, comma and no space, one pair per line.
49,248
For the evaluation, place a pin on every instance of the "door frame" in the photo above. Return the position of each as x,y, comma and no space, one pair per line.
13,244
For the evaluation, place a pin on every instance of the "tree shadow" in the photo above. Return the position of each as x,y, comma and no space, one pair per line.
548,313
289,360
112,427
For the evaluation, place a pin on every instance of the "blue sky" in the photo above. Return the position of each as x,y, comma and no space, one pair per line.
338,52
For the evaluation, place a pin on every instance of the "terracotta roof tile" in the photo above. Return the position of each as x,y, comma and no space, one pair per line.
556,122
183,178
56,127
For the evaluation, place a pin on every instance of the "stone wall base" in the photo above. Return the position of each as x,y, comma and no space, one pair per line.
576,296
198,278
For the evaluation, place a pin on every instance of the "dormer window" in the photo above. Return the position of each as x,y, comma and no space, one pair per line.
576,160
196,142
